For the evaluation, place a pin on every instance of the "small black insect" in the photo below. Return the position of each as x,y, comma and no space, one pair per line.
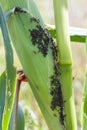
33,19
20,10
34,52
62,116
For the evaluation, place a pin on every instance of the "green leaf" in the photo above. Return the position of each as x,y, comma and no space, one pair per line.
76,34
2,95
10,74
20,119
84,112
34,10
7,42
12,123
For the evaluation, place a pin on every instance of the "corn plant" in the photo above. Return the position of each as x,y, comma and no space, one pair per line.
47,64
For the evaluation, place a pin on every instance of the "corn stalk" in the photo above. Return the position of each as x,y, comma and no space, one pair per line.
84,103
65,61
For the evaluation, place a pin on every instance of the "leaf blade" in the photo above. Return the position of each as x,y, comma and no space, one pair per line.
2,95
10,74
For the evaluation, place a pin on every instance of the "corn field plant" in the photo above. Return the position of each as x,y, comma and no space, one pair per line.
45,55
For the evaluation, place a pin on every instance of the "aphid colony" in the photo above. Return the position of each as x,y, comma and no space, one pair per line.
57,102
43,40
19,10
40,37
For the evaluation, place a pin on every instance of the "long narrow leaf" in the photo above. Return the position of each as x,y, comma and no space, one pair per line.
2,95
10,74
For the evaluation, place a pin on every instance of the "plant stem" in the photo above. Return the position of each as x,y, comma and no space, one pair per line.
84,103
17,97
65,61
20,78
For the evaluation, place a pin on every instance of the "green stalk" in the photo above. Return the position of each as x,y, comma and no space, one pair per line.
65,61
84,103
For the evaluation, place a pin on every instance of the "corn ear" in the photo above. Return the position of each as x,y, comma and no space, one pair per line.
38,65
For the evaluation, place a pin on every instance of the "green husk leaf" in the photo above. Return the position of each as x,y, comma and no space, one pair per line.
33,9
37,68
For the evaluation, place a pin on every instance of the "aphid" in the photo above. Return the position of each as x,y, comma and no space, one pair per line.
62,116
55,115
20,10
74,76
34,52
55,65
33,19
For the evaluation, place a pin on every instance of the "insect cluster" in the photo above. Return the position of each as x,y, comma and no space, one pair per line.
19,10
57,102
42,38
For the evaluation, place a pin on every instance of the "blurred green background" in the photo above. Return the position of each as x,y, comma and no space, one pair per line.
77,18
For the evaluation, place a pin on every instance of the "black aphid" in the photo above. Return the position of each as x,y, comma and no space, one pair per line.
33,19
19,10
34,52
